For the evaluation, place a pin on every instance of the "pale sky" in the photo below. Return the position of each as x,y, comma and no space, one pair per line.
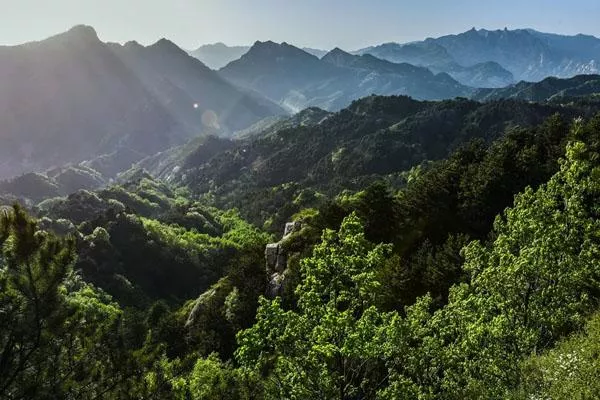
349,24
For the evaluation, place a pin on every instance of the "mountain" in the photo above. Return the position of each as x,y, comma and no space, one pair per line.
69,98
549,89
497,58
218,55
194,94
168,164
527,54
488,74
72,98
438,59
296,79
417,53
266,174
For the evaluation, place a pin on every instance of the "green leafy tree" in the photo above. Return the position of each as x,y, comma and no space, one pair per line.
569,371
325,348
535,283
59,337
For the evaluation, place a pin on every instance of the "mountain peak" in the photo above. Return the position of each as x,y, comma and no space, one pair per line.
268,43
338,57
167,46
270,49
83,31
79,35
133,44
337,50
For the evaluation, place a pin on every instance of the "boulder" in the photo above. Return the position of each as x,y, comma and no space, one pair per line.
276,261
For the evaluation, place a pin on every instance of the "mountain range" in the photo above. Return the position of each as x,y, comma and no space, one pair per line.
296,79
218,55
525,53
72,98
477,58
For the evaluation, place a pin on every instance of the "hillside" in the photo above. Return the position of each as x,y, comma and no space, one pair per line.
375,136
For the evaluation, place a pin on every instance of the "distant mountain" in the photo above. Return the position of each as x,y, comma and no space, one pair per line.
218,55
550,89
485,58
72,98
296,79
194,94
437,59
417,53
528,54
69,98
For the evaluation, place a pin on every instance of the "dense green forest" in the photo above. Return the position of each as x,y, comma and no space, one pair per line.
445,250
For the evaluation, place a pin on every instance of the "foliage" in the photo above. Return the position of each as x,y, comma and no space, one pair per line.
324,348
569,371
58,334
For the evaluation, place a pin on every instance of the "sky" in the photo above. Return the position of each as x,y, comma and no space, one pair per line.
348,24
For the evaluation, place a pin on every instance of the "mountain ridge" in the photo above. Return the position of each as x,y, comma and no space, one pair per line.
71,98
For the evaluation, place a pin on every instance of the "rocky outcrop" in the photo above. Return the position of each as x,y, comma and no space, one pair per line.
276,261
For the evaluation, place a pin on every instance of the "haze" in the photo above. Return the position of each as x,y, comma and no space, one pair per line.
349,24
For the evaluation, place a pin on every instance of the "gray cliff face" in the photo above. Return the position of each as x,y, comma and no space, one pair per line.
276,261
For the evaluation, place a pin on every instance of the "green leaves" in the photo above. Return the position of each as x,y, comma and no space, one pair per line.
325,348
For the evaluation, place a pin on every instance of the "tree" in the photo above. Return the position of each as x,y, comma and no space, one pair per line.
535,283
58,335
326,348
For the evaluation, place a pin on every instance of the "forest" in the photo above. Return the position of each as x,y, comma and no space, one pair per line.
443,250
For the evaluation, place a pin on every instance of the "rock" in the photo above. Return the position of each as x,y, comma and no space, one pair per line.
271,256
276,261
291,227
275,284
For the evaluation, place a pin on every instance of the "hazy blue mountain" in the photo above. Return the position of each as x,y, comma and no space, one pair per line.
193,93
529,55
437,59
417,53
581,47
296,79
72,98
496,58
549,89
218,55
